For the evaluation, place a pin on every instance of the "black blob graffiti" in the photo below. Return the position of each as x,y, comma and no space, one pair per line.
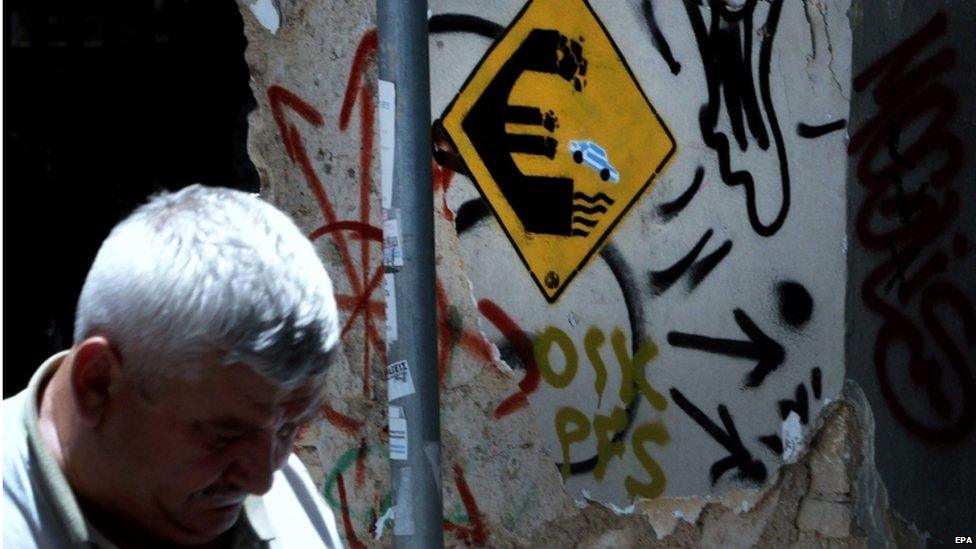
544,204
795,303
728,436
469,214
767,353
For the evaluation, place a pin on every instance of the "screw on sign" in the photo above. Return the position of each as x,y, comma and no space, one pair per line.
538,124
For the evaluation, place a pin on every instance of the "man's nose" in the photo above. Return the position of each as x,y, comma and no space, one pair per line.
255,461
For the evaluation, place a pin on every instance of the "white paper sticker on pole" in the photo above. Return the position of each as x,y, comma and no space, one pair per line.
389,286
392,244
399,383
398,433
387,110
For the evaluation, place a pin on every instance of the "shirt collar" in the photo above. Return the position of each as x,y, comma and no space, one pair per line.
256,524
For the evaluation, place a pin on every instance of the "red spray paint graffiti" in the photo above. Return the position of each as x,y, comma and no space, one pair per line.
365,279
477,532
351,537
905,226
523,346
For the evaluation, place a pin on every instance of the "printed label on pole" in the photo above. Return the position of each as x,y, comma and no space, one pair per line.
387,110
392,245
398,381
389,286
398,433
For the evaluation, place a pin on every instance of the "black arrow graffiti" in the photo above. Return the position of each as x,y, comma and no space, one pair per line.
767,353
728,436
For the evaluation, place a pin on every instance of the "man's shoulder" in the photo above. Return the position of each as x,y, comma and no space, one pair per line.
15,452
27,514
296,510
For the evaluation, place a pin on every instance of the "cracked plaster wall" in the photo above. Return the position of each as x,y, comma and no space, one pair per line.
719,475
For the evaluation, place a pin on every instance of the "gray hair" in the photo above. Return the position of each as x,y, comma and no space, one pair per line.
207,270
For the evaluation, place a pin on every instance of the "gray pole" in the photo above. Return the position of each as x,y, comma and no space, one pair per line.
413,382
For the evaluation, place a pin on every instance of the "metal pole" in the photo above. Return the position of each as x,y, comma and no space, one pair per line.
408,213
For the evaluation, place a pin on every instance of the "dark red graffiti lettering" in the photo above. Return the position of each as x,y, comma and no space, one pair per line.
906,222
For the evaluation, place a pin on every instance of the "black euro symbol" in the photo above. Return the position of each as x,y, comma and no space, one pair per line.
544,204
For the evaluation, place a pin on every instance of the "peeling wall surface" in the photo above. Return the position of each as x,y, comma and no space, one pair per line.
911,290
642,246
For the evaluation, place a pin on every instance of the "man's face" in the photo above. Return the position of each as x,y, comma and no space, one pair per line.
182,462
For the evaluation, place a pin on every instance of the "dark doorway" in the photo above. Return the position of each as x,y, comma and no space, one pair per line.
105,102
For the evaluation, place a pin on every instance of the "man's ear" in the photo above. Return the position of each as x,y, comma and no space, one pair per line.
95,369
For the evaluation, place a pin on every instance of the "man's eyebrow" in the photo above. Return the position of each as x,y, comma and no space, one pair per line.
231,424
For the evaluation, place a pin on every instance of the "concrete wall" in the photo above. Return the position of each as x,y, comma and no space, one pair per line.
654,381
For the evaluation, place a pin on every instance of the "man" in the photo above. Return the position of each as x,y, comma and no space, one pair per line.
202,336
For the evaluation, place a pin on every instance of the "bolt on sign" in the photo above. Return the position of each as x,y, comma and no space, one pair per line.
558,136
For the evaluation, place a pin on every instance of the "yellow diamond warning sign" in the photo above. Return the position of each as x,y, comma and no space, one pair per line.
558,137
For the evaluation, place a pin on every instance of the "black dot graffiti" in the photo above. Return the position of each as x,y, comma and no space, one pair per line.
795,303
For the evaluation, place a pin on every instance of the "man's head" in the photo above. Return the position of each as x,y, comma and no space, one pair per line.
202,334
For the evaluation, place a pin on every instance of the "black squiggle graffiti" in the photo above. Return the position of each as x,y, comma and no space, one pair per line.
662,280
670,209
703,267
726,52
460,22
812,132
657,37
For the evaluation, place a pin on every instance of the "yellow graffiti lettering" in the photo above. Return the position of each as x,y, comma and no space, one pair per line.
565,418
592,342
632,370
657,433
605,427
542,348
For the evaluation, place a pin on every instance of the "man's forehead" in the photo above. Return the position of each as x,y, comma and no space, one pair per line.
239,384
